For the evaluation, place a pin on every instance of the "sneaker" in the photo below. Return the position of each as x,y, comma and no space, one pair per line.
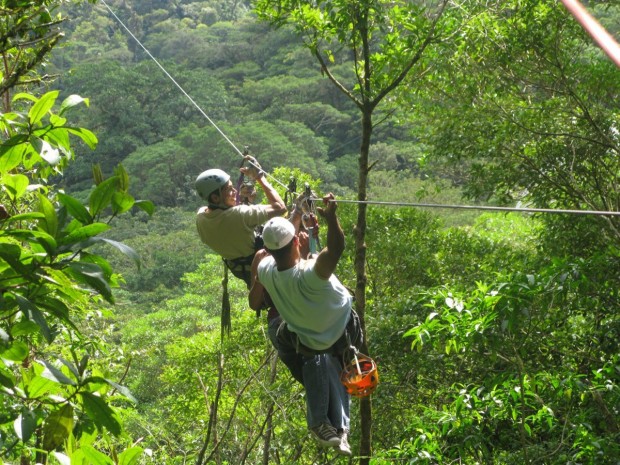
326,435
343,448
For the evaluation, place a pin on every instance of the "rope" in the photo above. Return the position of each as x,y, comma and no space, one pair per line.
480,207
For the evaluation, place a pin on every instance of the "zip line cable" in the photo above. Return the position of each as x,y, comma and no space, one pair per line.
367,202
478,207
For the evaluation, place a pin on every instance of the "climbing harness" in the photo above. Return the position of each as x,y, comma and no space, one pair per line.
360,377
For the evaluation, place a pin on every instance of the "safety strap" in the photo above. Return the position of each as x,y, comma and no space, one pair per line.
226,324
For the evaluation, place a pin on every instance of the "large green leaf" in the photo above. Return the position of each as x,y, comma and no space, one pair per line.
146,206
87,136
57,427
54,374
92,274
6,378
128,251
100,413
122,389
11,157
16,352
75,208
70,102
95,457
101,196
15,185
34,314
40,386
42,106
130,456
50,224
11,253
43,238
25,424
25,217
122,202
84,233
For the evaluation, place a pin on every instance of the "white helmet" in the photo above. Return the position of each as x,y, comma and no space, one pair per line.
209,181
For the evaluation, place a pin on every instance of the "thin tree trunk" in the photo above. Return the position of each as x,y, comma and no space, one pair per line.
267,444
361,278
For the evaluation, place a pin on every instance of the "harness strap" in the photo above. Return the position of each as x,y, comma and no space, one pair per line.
226,324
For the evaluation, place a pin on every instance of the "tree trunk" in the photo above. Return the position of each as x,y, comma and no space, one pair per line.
361,278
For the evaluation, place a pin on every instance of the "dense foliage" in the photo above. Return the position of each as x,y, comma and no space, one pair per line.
496,335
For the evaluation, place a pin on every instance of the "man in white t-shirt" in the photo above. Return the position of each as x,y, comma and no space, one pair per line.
318,315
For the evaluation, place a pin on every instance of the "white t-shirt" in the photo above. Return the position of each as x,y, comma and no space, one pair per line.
317,310
230,232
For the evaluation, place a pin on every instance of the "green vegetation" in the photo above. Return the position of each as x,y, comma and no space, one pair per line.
496,335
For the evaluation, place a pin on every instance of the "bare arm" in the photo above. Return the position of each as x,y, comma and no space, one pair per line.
277,206
256,298
328,258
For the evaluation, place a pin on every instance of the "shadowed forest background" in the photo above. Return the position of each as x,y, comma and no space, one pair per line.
495,334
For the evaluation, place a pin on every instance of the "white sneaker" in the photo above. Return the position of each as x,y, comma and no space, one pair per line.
326,435
343,448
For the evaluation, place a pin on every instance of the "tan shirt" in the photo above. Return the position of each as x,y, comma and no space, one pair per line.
230,232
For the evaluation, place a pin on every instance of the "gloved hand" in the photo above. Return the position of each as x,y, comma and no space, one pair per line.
254,171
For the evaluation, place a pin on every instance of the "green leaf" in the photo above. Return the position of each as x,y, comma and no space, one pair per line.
11,157
7,379
11,254
146,206
57,427
75,208
70,102
100,413
122,389
15,185
83,233
40,237
25,217
125,249
91,274
25,424
94,457
34,314
87,136
50,224
54,374
24,96
39,387
101,196
123,178
122,202
16,352
40,108
72,368
130,456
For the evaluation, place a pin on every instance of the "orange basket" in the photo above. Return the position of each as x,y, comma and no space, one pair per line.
360,377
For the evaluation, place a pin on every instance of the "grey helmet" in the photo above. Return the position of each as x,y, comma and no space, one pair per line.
210,181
